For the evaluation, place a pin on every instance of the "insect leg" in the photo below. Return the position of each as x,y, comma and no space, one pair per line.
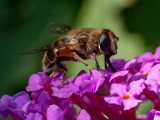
65,71
109,63
78,58
95,61
105,61
53,73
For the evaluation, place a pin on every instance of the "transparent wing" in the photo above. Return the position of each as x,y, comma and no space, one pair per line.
38,50
59,28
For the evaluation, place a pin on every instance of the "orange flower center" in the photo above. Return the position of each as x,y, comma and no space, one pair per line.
145,73
126,96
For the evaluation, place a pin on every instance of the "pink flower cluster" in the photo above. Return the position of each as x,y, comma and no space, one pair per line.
108,96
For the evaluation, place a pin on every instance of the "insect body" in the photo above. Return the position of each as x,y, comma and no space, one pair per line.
79,44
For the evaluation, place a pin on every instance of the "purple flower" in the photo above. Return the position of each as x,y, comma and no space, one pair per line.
157,54
121,75
125,96
153,79
66,91
129,65
105,95
117,64
17,106
44,100
38,81
58,78
5,105
87,83
34,116
54,113
154,115
146,57
83,115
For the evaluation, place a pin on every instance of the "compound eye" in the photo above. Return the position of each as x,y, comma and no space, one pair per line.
105,42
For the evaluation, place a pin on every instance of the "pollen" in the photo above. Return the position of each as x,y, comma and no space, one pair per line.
52,74
127,96
145,73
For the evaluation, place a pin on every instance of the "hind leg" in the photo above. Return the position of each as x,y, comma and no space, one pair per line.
65,72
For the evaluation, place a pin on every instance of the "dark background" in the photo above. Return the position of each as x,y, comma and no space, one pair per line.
23,27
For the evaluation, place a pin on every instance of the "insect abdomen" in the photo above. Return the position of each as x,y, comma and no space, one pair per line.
48,61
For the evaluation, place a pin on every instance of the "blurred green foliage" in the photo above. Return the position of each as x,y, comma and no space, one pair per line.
143,17
23,27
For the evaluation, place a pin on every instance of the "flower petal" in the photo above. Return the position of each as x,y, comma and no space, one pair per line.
66,91
114,100
118,74
118,89
54,113
152,85
5,105
20,99
157,53
130,103
38,81
146,67
129,64
136,87
34,83
45,79
44,100
146,57
154,115
71,113
83,115
154,75
34,116
81,77
117,64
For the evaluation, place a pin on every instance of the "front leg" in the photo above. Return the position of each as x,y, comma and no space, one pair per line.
105,61
109,63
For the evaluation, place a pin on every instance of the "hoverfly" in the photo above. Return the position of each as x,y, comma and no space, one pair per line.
78,44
